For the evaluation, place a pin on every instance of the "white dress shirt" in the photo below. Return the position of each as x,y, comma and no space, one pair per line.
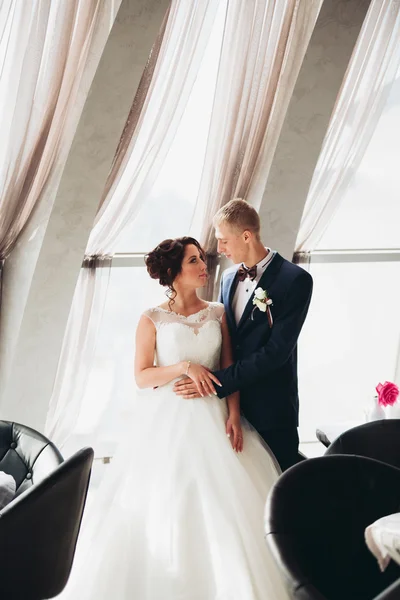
245,289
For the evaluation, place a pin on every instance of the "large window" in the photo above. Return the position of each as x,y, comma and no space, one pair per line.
351,339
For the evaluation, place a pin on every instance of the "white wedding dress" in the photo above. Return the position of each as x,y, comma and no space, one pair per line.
180,514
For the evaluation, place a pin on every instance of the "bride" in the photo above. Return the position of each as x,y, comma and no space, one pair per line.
179,515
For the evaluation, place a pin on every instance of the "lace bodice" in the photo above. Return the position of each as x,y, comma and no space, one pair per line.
197,338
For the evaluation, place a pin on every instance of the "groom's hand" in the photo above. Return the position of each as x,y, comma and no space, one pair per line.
187,389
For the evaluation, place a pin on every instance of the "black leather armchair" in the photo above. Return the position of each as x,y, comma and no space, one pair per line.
391,593
379,440
26,454
315,519
39,530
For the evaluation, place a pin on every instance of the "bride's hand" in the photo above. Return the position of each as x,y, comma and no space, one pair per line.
234,432
203,379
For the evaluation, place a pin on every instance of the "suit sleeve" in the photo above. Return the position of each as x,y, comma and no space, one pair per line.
281,343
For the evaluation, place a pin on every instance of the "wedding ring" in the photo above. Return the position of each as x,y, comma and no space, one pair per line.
203,382
228,435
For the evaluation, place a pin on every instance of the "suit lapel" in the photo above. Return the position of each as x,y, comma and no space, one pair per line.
230,282
265,283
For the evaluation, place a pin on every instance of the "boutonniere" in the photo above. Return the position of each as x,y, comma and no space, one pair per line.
263,302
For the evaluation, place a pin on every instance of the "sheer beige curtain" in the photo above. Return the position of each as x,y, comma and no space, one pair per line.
186,36
90,295
156,113
48,53
263,47
135,111
366,86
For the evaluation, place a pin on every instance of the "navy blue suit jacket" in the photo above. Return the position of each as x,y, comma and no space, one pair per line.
265,368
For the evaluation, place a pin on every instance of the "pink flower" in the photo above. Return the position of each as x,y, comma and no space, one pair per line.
387,393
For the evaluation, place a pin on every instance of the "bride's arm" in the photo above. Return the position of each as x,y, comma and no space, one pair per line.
149,376
146,374
233,401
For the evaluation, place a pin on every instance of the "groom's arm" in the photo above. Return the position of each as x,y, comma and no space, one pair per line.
275,353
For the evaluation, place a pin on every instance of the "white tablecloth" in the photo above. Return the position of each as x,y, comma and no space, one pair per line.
383,539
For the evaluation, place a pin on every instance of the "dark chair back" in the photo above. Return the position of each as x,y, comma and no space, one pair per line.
39,532
391,593
315,519
26,454
379,440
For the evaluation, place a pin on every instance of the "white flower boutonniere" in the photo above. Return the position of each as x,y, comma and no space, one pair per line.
263,302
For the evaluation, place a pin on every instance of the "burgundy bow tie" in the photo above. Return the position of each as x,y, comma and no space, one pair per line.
243,272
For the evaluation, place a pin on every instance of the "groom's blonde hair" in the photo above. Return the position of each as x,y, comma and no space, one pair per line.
239,215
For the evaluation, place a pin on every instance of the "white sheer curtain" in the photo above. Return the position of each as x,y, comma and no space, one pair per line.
78,348
187,31
364,92
49,50
262,50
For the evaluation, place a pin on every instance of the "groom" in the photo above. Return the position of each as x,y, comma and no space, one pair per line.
264,335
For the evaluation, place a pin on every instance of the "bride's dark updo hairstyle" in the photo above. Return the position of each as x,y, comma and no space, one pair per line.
165,262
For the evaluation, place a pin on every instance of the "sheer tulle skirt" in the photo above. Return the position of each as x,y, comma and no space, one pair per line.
179,515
